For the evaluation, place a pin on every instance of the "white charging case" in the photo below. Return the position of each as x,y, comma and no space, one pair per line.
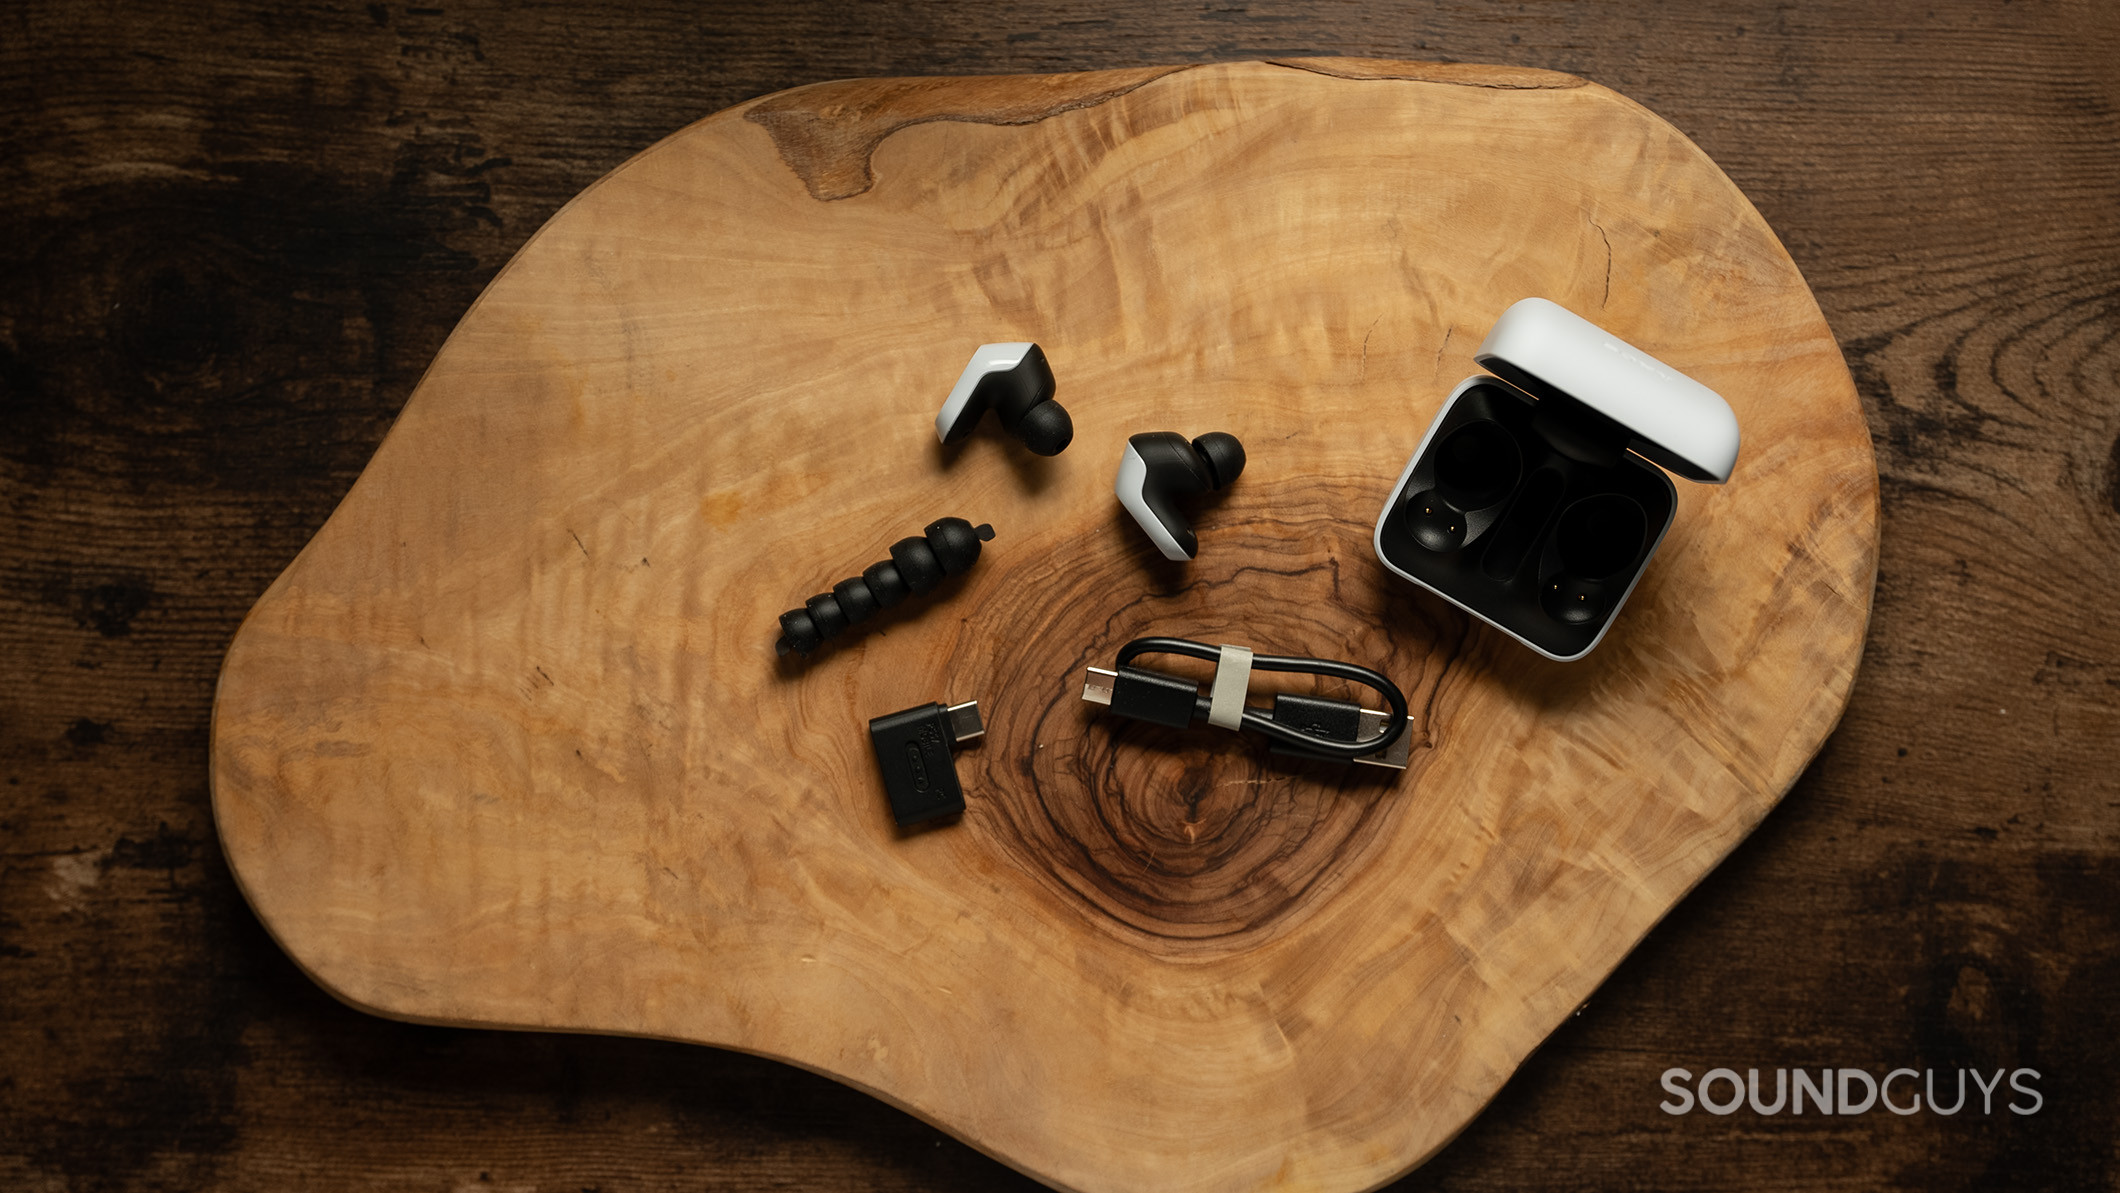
1532,502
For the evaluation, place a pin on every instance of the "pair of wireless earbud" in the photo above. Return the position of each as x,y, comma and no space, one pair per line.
1016,382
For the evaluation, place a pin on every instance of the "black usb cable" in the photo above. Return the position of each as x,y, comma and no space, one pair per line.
1308,726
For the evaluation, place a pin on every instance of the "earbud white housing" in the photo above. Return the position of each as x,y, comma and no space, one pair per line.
1016,382
1131,486
987,358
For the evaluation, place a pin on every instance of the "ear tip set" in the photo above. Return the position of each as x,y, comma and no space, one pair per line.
948,547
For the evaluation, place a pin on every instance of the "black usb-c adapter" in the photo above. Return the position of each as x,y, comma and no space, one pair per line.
915,749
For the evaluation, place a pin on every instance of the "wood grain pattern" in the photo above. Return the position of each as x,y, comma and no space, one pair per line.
237,236
507,745
828,140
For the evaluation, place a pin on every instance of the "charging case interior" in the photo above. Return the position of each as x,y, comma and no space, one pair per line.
1531,502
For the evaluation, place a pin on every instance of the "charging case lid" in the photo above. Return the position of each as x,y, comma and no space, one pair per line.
1545,349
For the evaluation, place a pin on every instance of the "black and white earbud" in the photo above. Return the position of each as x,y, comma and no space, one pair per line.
947,547
1016,383
1160,466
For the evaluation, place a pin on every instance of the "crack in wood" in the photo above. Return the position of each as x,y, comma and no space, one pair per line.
827,133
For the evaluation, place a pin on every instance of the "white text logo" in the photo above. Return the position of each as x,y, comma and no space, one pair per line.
1847,1091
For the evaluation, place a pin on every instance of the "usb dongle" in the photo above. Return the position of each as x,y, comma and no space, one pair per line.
914,751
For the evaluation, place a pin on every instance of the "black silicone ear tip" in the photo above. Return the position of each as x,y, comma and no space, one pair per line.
855,600
948,546
955,543
825,612
1223,454
798,633
917,564
1046,429
885,582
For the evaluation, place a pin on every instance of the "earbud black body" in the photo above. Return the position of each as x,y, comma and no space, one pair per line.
1160,467
948,547
1016,383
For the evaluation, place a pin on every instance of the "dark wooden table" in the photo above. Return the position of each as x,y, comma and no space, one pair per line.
235,235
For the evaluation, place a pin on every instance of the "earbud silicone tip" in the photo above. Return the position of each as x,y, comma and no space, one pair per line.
885,583
798,633
955,543
1223,454
826,614
1046,429
917,564
856,599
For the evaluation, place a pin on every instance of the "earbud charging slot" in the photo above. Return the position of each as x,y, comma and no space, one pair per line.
1600,536
1477,465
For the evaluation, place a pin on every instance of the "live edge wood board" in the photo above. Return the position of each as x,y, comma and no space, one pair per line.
508,744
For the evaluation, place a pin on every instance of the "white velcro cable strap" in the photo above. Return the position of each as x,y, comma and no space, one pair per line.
1225,704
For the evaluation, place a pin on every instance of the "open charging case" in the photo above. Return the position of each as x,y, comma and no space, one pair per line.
1532,502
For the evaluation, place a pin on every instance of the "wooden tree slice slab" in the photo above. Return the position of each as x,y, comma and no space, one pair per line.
508,744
